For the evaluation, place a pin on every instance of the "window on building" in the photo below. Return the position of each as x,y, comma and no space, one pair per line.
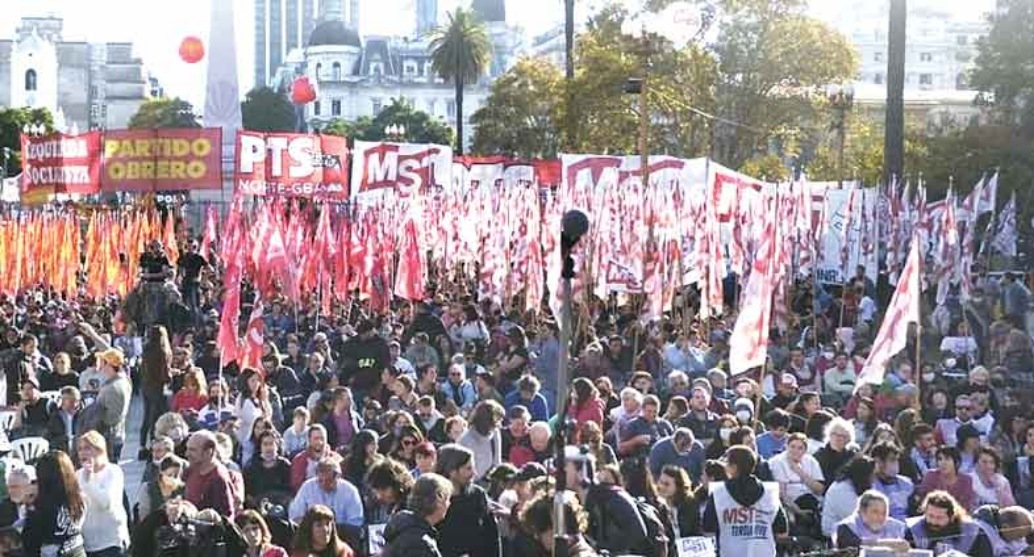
926,79
377,106
335,71
376,68
450,109
962,40
431,106
877,57
319,71
316,108
30,80
925,57
960,81
878,79
335,107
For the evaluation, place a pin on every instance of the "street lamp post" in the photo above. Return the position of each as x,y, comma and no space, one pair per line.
395,132
841,99
573,226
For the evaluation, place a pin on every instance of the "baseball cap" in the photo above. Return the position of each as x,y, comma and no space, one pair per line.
530,471
112,356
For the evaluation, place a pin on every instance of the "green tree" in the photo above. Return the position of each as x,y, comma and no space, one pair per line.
420,126
265,110
521,117
863,152
773,60
460,52
165,113
679,91
12,120
1004,70
767,167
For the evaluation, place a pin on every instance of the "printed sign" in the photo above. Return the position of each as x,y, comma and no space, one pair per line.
375,538
61,163
292,165
696,546
402,168
162,160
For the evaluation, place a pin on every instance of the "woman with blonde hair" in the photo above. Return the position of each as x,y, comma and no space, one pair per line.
106,526
317,535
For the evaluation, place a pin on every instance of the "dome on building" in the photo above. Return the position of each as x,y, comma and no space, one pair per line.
490,10
334,33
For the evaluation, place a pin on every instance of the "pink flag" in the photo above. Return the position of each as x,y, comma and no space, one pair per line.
227,337
749,342
893,335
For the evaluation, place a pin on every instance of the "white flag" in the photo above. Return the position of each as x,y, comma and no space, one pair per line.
748,345
893,335
1005,236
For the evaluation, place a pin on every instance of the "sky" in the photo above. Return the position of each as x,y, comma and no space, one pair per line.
156,27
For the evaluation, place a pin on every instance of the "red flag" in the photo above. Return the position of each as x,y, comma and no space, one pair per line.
903,309
209,233
409,281
227,337
251,348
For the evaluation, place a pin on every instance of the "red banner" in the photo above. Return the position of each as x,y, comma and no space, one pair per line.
291,165
60,163
162,159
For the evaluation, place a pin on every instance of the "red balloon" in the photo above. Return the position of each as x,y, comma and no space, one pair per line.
192,50
302,90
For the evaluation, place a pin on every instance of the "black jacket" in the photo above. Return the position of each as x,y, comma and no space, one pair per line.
614,521
409,535
56,431
469,527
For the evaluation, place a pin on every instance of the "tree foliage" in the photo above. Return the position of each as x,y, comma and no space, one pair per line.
773,63
460,52
1005,65
265,110
165,113
12,120
521,116
420,126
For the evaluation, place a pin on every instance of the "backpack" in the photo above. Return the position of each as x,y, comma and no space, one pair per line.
656,532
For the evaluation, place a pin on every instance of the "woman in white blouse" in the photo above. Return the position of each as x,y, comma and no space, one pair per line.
991,487
471,330
800,477
251,406
106,526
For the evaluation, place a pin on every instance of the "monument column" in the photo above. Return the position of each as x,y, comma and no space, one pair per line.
222,100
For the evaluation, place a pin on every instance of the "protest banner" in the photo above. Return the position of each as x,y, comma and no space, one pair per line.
292,165
60,163
404,169
162,160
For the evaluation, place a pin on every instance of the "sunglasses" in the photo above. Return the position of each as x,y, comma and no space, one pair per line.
408,442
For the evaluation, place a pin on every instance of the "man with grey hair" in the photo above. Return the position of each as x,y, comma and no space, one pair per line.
411,533
469,527
332,491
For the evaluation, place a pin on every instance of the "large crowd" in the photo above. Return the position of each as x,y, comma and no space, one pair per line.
430,428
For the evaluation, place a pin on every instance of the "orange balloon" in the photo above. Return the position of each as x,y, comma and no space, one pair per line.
192,50
302,90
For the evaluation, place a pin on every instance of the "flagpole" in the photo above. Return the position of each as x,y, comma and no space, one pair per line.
919,337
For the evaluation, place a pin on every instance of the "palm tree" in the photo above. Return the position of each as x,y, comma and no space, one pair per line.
460,51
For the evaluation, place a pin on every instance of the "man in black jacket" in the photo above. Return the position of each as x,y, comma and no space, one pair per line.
614,521
469,528
363,358
411,533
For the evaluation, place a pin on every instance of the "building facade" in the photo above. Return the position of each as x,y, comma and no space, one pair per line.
359,77
84,85
941,47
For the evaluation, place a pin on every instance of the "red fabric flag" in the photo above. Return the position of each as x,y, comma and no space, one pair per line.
251,348
226,340
409,281
209,234
749,341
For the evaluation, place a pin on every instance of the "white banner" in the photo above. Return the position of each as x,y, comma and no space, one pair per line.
401,168
830,265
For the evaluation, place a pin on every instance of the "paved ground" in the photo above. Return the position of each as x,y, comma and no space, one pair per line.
132,468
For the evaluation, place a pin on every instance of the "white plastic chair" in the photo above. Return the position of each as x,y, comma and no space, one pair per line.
30,448
53,396
7,420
